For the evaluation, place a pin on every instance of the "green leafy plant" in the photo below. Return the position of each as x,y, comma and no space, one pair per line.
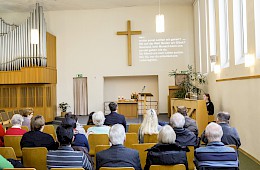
64,106
190,83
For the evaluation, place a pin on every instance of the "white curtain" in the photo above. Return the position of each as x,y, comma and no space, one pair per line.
80,94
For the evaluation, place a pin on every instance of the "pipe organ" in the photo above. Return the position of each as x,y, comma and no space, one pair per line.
16,49
28,74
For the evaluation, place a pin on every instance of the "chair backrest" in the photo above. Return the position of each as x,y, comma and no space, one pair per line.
232,146
168,167
5,118
150,138
131,138
19,169
67,169
35,157
190,157
14,142
25,128
87,126
101,148
211,118
116,168
142,153
7,152
10,114
50,130
134,128
97,139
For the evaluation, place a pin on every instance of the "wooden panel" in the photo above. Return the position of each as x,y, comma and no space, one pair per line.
172,91
51,50
196,109
128,109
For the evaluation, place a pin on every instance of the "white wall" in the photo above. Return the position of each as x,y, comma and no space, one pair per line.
239,97
87,43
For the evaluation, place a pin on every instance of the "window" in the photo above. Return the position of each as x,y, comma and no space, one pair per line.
257,27
223,33
240,30
212,30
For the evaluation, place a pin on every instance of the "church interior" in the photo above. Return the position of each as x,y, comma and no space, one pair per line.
90,53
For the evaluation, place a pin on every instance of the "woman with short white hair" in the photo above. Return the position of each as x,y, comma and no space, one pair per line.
149,125
166,152
99,128
16,121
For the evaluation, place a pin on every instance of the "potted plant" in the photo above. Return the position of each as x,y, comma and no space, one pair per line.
63,107
189,85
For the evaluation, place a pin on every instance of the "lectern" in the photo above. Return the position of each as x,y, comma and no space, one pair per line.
145,95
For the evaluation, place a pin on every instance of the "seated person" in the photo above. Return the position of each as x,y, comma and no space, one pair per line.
2,133
16,121
118,155
113,117
27,116
5,163
79,139
149,125
79,128
36,138
190,123
184,137
166,152
90,120
230,134
65,156
99,128
215,154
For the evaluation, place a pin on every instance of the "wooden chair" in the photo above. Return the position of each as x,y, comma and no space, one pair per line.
25,128
7,152
10,114
168,167
97,139
211,118
14,142
5,119
35,157
116,168
67,169
232,146
19,169
101,148
87,126
190,157
131,138
142,153
50,130
150,138
133,128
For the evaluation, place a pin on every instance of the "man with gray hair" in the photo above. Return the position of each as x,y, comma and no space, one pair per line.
184,137
230,134
190,123
118,155
215,154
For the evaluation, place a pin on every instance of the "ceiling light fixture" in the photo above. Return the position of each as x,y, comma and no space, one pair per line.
159,20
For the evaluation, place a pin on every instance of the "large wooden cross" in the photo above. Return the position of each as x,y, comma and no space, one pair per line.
129,33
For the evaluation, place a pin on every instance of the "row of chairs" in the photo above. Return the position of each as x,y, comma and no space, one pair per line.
153,167
39,162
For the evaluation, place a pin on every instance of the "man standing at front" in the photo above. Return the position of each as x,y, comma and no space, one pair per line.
114,117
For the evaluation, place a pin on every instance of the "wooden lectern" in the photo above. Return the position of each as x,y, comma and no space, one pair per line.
145,95
128,109
197,110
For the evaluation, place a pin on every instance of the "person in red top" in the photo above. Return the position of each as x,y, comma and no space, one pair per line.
16,121
2,133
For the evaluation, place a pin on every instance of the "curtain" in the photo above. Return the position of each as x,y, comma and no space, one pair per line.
80,95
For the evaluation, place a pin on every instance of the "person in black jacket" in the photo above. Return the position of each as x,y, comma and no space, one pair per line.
114,117
210,106
36,138
166,152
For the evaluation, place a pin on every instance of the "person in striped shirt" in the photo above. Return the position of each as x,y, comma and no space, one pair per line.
65,156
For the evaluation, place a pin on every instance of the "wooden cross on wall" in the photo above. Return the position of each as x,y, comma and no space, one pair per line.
129,33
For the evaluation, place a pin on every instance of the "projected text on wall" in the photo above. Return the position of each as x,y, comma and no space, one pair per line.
154,49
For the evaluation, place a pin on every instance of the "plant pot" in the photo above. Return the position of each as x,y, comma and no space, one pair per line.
63,114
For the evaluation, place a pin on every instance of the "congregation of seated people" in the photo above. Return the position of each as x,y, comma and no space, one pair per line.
71,148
